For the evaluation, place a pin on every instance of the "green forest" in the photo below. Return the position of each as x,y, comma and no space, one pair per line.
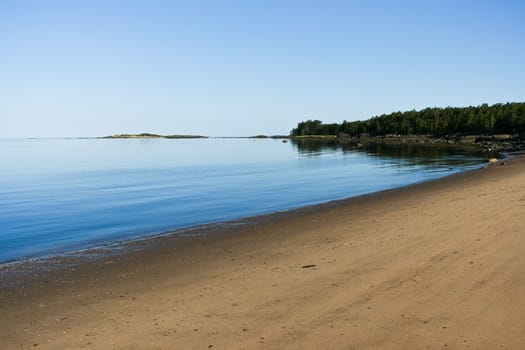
508,118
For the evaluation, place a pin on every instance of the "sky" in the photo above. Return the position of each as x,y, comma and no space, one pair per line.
241,68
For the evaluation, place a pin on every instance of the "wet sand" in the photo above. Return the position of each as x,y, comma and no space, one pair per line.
439,265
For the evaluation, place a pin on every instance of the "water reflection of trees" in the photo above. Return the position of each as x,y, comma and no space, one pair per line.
419,153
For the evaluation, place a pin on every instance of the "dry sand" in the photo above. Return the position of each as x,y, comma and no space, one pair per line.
433,266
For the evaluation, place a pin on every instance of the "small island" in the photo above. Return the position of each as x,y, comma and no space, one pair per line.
152,136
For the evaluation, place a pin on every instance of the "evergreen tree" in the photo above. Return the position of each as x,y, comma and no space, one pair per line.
499,118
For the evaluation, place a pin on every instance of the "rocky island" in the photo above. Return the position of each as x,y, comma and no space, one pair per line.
152,136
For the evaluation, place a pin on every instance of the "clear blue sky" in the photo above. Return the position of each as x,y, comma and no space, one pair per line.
90,68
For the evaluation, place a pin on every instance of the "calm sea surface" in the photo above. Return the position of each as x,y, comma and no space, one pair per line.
58,195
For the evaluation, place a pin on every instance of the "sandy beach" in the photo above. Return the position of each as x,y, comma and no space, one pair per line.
439,265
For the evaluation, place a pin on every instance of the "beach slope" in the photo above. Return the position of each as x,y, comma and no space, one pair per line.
433,266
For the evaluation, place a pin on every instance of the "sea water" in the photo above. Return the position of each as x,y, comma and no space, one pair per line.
58,195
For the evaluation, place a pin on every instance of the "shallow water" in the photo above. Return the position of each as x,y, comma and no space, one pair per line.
62,194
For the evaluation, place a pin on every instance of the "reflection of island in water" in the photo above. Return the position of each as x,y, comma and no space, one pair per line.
417,154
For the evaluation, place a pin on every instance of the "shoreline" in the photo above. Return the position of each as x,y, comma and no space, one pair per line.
75,252
94,252
494,144
383,270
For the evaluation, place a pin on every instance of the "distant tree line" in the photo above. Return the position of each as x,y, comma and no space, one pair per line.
508,118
